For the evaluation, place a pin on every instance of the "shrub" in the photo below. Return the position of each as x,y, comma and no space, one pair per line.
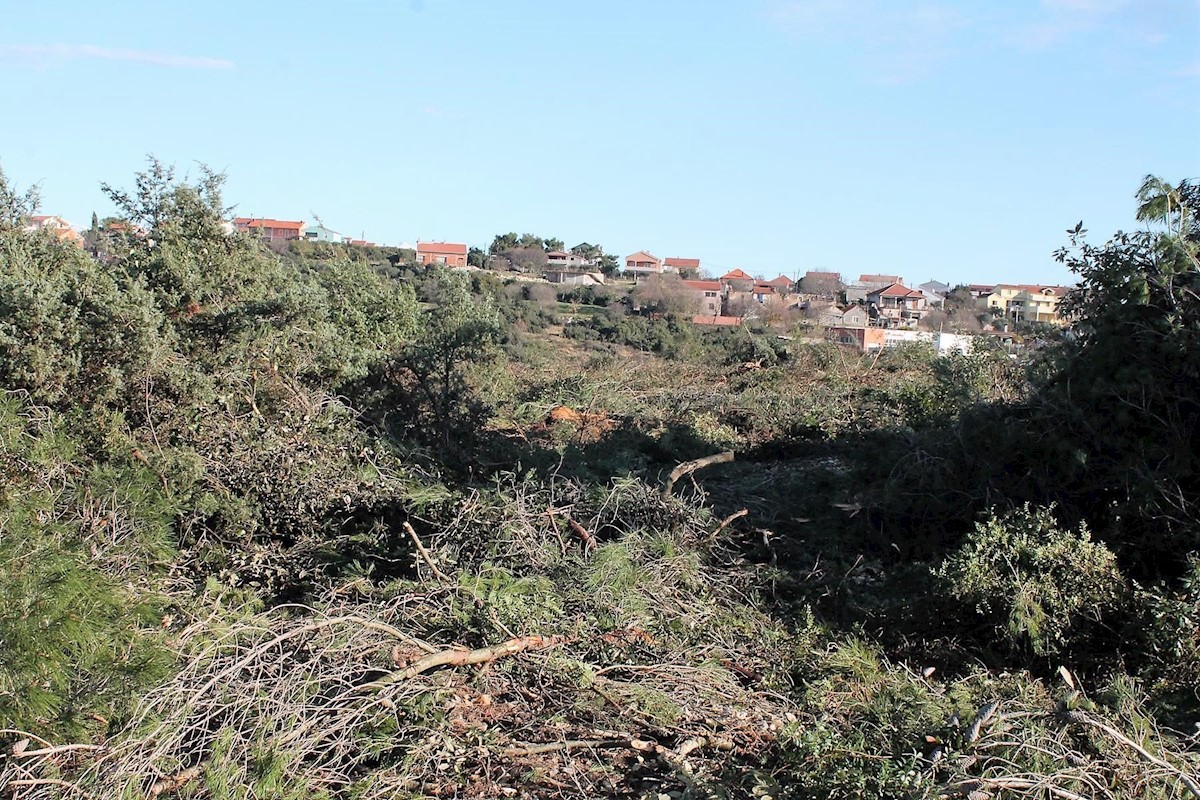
1036,585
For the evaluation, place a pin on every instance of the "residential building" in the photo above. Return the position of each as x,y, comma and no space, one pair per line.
574,277
643,263
557,259
449,253
1027,302
782,284
272,230
863,339
684,266
708,295
830,315
896,306
935,292
319,233
57,227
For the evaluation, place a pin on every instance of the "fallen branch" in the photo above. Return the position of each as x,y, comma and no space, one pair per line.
581,744
725,523
1191,783
688,467
462,658
441,576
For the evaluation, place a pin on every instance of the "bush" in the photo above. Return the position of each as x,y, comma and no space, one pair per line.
1037,586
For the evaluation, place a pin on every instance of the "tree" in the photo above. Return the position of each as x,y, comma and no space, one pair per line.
476,258
15,207
666,294
1124,392
553,245
502,243
821,284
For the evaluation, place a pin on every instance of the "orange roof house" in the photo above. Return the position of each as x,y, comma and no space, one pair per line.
452,254
681,265
643,263
57,227
708,295
273,230
896,305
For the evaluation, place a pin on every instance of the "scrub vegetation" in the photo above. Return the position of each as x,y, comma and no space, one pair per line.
332,525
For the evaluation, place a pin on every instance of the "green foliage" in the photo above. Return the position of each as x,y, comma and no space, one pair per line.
77,638
1038,586
71,332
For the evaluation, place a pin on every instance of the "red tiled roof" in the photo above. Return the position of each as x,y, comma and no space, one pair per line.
557,254
879,279
264,222
683,263
648,257
816,273
782,280
704,286
764,288
704,319
442,248
898,290
982,287
736,275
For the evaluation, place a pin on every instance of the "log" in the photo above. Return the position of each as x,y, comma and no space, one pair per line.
688,467
462,658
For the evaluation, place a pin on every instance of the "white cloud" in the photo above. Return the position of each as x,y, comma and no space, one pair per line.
49,53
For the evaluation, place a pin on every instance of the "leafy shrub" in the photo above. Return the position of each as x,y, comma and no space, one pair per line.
1036,585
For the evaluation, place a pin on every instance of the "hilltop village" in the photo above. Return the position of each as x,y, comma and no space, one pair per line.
868,312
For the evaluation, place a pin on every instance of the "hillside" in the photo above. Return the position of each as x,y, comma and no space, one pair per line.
297,528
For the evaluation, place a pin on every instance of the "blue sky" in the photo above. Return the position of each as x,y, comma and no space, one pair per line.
955,141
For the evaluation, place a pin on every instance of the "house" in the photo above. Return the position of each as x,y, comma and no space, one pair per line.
863,339
765,293
319,233
708,295
896,306
558,259
448,253
935,292
57,227
1027,302
738,280
684,266
830,315
272,230
782,284
574,277
643,263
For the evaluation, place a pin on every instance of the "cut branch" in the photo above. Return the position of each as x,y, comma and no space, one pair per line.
461,658
688,467
441,576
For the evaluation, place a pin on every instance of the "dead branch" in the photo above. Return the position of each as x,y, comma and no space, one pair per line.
580,744
462,658
688,467
725,523
1187,780
441,576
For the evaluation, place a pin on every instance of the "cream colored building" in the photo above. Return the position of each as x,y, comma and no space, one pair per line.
1027,302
